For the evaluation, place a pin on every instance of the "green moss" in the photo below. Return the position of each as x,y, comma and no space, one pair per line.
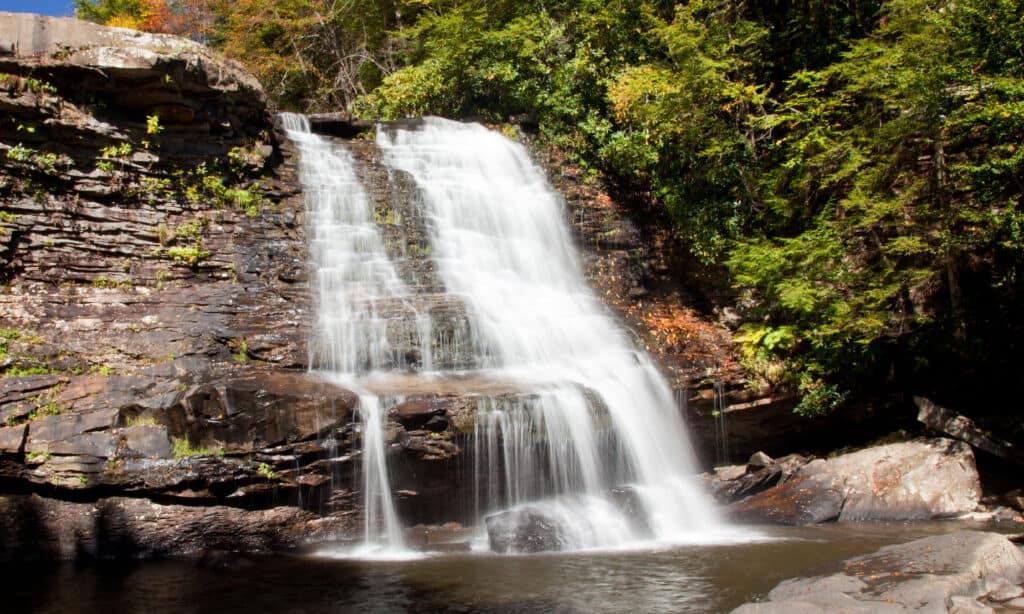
183,448
140,420
191,255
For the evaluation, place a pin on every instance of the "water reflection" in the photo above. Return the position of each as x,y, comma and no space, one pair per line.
688,579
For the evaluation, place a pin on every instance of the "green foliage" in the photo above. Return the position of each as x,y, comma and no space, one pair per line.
46,163
144,420
183,448
266,471
856,167
38,456
105,11
191,255
153,125
6,336
48,409
243,352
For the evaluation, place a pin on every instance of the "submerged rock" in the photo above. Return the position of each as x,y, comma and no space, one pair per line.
959,572
526,529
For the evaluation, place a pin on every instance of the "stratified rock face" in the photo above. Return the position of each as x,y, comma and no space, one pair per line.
155,304
916,480
962,572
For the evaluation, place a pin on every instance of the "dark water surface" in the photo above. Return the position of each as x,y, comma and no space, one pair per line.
680,579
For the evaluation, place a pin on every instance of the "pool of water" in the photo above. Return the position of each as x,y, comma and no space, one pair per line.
705,578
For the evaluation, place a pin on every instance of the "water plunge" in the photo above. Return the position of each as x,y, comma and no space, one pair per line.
594,454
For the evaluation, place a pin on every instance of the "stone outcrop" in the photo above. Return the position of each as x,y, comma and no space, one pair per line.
962,572
915,480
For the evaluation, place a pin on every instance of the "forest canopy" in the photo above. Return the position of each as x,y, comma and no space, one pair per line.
854,167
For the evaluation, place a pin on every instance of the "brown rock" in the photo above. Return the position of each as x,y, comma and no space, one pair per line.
148,440
60,427
12,439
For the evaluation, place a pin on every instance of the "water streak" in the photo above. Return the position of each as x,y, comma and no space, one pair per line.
355,284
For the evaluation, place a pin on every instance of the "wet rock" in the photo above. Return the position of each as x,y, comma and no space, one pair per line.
734,482
934,574
917,480
447,537
802,500
631,504
415,413
526,529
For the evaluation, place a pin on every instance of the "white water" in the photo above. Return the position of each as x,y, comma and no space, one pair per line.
501,243
353,278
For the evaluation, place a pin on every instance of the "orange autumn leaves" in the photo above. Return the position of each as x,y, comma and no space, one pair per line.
192,18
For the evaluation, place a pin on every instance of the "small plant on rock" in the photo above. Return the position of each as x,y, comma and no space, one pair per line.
265,470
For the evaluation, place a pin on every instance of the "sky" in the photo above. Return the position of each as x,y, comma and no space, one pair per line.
60,8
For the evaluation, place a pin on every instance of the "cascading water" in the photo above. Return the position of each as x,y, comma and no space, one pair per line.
606,416
354,278
595,439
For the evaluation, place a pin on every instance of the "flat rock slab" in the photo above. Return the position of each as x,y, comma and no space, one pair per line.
57,428
915,480
947,573
100,445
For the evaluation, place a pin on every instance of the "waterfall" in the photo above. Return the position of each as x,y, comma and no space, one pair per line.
595,443
501,243
354,281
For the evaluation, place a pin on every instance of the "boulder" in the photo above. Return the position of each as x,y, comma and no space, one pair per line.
525,529
944,573
807,499
735,482
631,504
915,480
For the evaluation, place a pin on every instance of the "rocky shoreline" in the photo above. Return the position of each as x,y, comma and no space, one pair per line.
967,571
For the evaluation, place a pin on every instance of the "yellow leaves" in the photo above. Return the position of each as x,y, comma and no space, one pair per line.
637,92
124,21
